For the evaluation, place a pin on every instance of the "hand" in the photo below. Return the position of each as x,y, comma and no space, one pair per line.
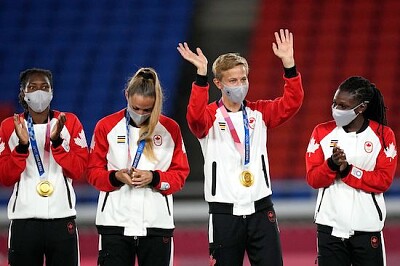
198,60
339,157
141,178
55,132
21,130
124,176
283,48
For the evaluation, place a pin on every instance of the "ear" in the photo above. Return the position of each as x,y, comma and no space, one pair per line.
126,95
218,83
363,107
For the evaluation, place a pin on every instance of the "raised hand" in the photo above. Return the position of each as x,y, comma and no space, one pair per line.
283,48
198,60
21,130
55,132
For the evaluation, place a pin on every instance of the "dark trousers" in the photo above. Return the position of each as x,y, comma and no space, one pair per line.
361,249
118,250
33,239
231,236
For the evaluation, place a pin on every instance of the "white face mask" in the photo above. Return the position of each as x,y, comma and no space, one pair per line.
236,94
38,100
344,117
137,118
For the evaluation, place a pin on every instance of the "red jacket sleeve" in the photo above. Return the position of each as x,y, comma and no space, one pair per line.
200,116
12,163
380,179
72,156
277,111
97,173
319,174
178,171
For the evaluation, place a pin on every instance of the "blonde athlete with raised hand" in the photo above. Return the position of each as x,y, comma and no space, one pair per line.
232,133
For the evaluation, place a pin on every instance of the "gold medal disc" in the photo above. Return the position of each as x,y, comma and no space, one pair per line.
44,188
247,179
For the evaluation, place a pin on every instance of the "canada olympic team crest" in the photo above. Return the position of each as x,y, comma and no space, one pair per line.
368,146
157,140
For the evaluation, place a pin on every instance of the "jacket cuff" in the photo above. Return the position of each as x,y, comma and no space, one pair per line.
156,179
201,80
290,72
346,171
56,143
22,148
332,165
114,181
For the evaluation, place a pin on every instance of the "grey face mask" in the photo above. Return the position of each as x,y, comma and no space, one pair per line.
236,94
137,118
344,117
38,100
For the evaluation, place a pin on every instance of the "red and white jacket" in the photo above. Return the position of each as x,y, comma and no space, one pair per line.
353,202
223,164
136,211
67,162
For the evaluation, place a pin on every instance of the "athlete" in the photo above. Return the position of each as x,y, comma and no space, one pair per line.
351,161
233,136
137,161
42,151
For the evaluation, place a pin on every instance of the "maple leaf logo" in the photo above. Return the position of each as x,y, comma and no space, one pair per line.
2,146
312,146
391,151
81,140
92,143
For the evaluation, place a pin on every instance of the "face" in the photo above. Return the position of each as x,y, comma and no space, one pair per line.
141,104
236,76
37,82
343,100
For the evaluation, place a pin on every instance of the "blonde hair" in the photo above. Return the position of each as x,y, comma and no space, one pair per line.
145,82
228,61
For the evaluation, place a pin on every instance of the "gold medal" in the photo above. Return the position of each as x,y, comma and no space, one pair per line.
247,179
44,188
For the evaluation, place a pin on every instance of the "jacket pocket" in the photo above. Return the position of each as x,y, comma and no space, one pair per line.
264,168
104,202
68,193
378,209
166,201
16,197
320,203
214,179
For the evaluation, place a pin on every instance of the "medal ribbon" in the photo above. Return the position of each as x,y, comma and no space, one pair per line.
35,149
140,147
238,144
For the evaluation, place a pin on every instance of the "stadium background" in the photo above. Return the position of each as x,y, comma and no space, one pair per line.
93,46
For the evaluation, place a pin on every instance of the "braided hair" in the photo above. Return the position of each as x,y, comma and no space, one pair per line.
365,91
